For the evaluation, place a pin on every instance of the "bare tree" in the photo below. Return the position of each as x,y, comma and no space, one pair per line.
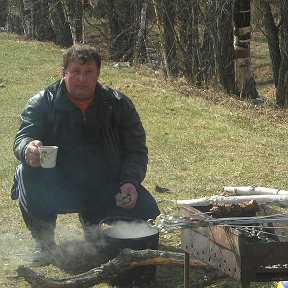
73,12
282,87
245,84
28,18
184,28
205,44
3,13
169,45
140,46
271,31
222,36
123,17
61,29
207,48
188,38
42,29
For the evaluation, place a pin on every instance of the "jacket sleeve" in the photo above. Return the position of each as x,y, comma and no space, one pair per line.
132,140
32,124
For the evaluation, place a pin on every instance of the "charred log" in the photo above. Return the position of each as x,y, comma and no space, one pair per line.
127,259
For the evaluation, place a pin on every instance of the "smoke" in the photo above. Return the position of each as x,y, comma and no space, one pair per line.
76,252
73,253
14,250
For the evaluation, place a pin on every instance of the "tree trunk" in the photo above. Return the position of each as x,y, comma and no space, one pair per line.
244,81
168,16
124,26
42,26
196,54
73,11
282,87
164,59
223,45
3,14
185,32
188,41
271,33
59,25
207,51
140,47
28,18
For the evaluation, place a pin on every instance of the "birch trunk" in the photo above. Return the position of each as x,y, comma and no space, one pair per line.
73,12
140,47
28,18
251,190
244,81
59,25
260,199
160,28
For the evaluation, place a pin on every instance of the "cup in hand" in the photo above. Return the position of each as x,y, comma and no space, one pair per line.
48,155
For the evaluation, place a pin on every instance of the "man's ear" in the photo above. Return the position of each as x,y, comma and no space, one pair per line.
62,72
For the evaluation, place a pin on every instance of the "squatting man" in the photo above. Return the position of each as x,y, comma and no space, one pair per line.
101,152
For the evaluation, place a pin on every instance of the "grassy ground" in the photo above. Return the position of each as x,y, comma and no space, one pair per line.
197,144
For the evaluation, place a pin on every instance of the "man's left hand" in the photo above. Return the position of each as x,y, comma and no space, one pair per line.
129,190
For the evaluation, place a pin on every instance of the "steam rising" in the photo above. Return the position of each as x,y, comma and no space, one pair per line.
125,230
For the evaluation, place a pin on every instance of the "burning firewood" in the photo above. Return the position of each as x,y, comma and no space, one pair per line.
127,259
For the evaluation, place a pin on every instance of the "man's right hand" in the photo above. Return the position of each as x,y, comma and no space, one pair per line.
32,155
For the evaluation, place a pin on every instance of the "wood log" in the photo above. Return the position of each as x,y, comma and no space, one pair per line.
281,200
252,190
125,260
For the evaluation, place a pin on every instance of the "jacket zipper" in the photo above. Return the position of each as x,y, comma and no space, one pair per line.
84,118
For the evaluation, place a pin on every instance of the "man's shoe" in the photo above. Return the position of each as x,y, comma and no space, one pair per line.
43,255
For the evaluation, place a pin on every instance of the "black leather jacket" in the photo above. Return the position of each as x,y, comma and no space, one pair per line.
110,129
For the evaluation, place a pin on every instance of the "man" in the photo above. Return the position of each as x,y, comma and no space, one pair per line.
101,153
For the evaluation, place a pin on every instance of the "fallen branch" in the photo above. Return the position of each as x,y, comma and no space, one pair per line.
125,260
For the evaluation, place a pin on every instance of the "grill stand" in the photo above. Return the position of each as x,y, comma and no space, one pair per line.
186,270
225,249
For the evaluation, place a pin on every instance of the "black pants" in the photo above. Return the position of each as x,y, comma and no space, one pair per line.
45,193
146,208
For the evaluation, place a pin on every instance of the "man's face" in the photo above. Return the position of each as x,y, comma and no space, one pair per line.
81,79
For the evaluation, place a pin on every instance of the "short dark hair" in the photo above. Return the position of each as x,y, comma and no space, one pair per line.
82,53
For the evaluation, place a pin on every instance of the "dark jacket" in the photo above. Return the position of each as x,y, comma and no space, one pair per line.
109,135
